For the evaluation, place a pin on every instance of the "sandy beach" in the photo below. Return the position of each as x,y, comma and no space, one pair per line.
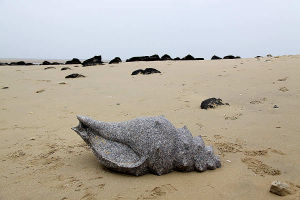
257,136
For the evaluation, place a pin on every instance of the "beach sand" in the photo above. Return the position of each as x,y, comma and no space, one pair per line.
42,158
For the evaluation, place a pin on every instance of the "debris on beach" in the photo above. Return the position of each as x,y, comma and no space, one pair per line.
145,72
4,88
75,75
212,103
146,145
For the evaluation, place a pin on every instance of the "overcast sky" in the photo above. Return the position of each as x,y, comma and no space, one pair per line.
126,28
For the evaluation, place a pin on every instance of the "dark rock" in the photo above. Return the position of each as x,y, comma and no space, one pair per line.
49,68
269,55
231,57
65,68
136,72
146,145
199,58
212,103
177,58
96,60
151,71
56,63
20,63
154,57
136,59
275,106
116,60
215,57
73,61
75,76
4,88
166,57
144,58
188,57
257,56
46,63
145,72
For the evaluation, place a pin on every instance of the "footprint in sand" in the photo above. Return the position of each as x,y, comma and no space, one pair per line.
158,192
233,117
283,89
259,168
228,147
16,154
258,101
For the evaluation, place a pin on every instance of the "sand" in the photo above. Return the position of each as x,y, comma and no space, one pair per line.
42,158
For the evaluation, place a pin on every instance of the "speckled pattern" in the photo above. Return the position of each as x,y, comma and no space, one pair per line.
146,145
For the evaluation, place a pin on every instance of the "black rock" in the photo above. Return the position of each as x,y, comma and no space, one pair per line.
4,88
47,63
215,58
188,57
96,60
230,57
257,56
75,76
49,68
135,59
145,72
136,72
275,106
144,58
177,58
151,71
65,68
212,103
73,61
20,63
166,57
116,60
237,57
154,57
199,58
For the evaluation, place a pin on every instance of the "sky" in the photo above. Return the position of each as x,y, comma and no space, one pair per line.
64,29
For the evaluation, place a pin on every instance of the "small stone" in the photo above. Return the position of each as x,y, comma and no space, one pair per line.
281,189
62,83
275,106
4,88
33,138
117,104
228,161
